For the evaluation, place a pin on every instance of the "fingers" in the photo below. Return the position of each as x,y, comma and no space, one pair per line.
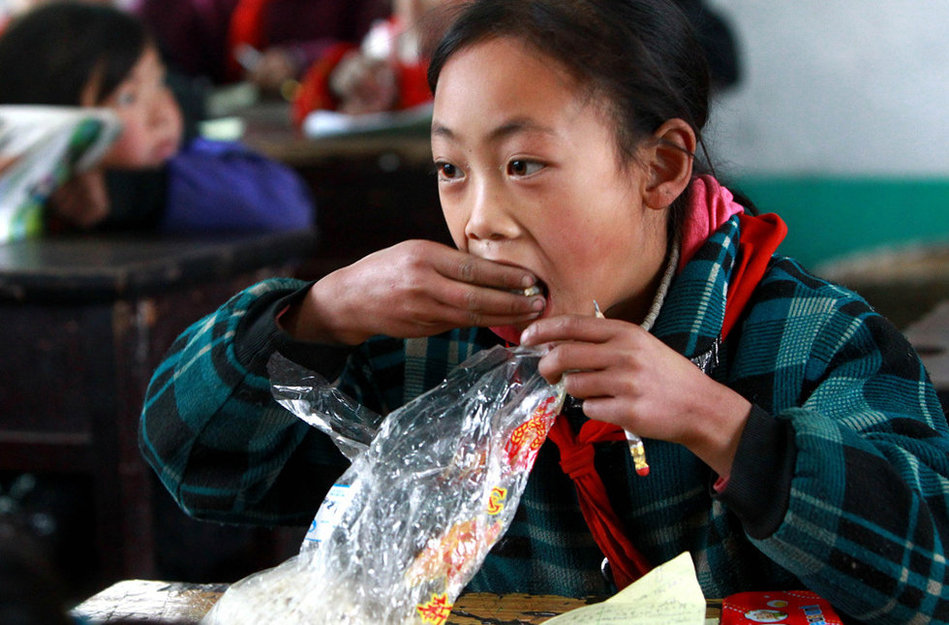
488,293
486,311
570,328
470,284
475,270
580,366
576,357
363,84
420,288
599,384
491,305
275,67
582,346
453,305
82,200
606,409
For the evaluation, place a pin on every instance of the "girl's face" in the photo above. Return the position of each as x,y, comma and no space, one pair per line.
151,119
528,175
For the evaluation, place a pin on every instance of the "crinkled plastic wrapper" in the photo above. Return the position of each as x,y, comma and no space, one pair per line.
410,522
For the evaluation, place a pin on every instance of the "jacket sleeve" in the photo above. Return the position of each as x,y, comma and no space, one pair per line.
864,517
224,185
211,430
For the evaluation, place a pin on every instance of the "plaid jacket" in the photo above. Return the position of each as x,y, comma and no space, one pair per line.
841,483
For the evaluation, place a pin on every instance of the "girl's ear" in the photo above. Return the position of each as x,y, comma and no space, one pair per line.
668,159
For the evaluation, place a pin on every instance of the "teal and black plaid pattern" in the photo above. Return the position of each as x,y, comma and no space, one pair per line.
866,518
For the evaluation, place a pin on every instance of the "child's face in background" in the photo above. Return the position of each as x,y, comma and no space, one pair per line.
529,175
151,118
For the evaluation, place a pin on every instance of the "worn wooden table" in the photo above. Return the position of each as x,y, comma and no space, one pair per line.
903,284
180,603
83,323
930,337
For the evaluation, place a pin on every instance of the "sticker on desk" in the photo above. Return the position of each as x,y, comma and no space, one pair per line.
792,607
329,515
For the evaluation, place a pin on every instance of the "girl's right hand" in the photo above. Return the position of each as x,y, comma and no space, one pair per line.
276,66
364,85
412,289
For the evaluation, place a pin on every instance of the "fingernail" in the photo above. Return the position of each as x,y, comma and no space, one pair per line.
527,280
537,304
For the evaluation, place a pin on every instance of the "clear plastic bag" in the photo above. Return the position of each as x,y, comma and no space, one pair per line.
410,522
350,425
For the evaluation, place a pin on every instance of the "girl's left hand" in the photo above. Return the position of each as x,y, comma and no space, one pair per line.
628,377
83,200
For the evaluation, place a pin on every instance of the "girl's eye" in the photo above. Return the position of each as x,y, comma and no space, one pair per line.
125,98
447,171
522,167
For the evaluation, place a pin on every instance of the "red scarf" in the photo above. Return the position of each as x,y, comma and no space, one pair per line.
759,238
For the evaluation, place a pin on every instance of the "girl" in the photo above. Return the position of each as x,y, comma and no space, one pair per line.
76,54
793,438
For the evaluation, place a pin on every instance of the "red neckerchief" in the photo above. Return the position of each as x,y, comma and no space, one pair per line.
576,460
759,238
246,27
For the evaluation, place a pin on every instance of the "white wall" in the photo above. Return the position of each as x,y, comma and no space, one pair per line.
837,87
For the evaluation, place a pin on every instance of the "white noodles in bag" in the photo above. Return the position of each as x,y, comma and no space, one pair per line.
412,519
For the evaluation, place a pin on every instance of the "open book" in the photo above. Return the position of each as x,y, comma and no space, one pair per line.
41,147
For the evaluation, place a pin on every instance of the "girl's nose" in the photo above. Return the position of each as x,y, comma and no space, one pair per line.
490,219
164,110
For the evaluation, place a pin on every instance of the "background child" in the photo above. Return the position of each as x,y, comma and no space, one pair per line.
157,174
203,38
793,437
385,72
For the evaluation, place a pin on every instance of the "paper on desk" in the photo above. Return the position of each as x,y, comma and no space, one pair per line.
330,123
667,595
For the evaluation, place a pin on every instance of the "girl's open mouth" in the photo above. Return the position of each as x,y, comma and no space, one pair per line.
512,334
538,289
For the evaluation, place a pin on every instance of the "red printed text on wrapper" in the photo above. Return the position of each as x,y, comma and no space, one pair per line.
435,611
531,434
451,556
496,500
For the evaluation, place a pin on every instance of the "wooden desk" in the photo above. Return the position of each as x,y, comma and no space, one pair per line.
185,604
930,337
267,129
903,284
84,321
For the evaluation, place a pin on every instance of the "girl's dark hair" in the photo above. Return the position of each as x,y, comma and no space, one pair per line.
49,54
640,56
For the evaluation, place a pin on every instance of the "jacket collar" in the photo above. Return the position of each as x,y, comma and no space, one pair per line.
693,312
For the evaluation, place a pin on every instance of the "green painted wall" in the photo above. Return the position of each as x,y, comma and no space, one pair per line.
831,217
